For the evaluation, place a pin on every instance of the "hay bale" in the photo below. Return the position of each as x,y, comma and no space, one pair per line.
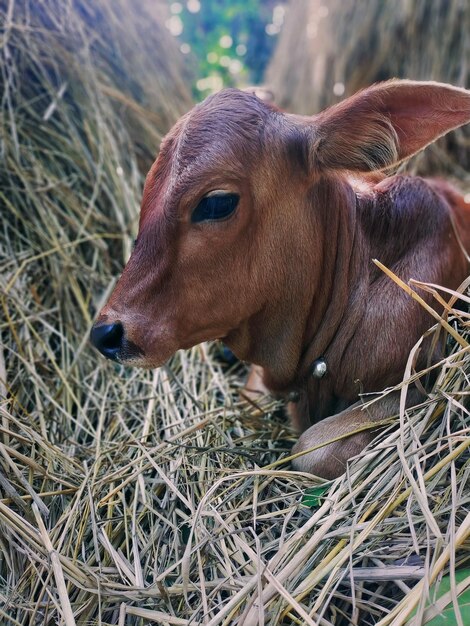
87,96
330,50
88,90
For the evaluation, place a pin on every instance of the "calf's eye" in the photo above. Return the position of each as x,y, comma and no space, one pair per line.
215,206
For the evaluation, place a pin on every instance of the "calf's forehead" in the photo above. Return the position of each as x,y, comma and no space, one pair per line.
227,112
221,138
225,127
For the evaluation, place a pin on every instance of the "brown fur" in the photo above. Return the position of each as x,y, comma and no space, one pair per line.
289,277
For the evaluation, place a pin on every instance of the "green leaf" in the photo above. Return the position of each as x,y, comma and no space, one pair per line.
313,497
447,617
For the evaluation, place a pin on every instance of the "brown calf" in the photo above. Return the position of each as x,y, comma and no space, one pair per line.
259,228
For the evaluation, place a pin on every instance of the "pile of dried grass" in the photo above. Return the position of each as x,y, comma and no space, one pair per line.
140,498
330,50
173,506
87,93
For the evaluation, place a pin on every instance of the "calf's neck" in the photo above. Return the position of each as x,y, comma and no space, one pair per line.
259,228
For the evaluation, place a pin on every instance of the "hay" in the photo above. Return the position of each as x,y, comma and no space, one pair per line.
342,46
175,505
133,497
84,104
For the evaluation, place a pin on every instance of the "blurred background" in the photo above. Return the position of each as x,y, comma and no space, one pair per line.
228,44
88,90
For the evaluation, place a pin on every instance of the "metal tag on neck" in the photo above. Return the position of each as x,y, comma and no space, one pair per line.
318,368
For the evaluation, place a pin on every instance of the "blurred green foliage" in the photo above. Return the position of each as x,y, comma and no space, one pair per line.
228,42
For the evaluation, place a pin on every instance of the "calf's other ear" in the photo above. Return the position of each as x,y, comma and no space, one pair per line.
386,123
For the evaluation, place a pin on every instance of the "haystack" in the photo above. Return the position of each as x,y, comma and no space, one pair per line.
328,50
134,498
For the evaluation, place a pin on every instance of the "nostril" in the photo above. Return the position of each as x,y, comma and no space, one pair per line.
112,337
108,339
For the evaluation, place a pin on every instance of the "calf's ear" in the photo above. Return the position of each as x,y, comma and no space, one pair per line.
385,124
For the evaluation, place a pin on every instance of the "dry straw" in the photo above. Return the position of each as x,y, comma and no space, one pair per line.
135,498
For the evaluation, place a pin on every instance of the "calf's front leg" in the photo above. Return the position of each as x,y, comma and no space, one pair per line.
330,460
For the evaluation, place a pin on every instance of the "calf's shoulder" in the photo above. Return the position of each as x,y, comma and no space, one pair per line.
407,225
402,213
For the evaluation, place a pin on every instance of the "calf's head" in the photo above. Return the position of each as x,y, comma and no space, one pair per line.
194,273
230,238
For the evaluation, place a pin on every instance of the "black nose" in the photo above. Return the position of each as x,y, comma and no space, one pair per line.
108,339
